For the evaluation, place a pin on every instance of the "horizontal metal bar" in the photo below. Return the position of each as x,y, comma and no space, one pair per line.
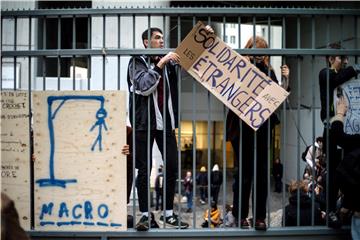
184,11
130,52
214,233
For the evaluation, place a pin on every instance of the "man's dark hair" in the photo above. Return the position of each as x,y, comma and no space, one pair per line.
152,30
319,139
334,45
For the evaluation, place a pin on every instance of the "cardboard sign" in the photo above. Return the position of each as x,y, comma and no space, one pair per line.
80,173
351,92
234,80
15,152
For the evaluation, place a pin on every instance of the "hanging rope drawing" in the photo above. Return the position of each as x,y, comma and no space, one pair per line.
101,114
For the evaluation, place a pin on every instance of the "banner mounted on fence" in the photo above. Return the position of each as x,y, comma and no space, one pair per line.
351,91
234,80
80,173
15,152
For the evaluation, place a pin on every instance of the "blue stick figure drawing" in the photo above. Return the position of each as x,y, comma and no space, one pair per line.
101,114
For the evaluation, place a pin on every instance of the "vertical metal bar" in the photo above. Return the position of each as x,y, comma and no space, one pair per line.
149,145
89,56
194,136
44,72
283,127
239,159
179,120
134,129
74,47
209,148
44,32
73,72
165,33
44,58
59,47
239,31
327,120
74,32
104,52
268,140
254,207
313,112
58,72
298,116
224,143
341,31
356,36
15,47
118,56
32,205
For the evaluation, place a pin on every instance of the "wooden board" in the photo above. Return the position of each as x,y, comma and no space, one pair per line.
80,173
15,152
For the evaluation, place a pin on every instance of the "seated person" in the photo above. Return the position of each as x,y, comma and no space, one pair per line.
291,210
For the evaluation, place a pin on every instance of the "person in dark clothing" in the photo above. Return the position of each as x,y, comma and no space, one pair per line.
202,182
216,179
188,185
153,101
330,78
277,174
348,171
159,182
233,129
146,79
10,223
291,212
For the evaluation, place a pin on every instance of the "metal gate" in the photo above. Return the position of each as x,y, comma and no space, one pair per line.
58,44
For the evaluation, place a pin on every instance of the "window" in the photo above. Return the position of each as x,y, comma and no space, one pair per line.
66,31
232,39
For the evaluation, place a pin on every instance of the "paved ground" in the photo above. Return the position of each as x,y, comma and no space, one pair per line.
275,200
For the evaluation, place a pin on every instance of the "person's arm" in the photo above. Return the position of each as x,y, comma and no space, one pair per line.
144,79
338,78
337,126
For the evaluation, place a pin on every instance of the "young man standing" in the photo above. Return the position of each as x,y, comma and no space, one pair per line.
152,81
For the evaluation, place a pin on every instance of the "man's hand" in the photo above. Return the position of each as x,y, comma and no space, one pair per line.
209,29
341,106
171,56
125,150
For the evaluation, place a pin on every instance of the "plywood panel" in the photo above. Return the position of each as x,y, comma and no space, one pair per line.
15,152
80,173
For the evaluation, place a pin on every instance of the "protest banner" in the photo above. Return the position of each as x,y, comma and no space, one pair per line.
15,152
351,91
230,77
80,173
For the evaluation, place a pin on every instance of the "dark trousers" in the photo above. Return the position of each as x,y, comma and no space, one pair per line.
248,171
159,200
331,165
143,161
215,189
278,184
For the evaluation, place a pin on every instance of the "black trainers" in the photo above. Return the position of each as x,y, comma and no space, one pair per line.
173,222
143,224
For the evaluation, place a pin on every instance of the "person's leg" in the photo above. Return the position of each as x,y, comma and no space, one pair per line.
171,164
261,172
247,169
142,160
